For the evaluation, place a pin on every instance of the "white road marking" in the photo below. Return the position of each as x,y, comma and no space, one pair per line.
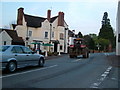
77,60
106,72
103,76
29,71
113,78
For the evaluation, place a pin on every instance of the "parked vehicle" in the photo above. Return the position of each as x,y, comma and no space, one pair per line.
77,47
18,56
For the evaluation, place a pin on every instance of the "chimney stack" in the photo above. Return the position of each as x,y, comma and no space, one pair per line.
20,16
48,15
60,19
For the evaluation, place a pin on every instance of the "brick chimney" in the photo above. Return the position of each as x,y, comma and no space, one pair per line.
60,19
20,16
48,15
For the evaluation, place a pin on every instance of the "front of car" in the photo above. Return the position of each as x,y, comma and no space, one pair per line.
4,55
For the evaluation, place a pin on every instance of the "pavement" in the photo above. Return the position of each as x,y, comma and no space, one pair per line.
114,60
52,57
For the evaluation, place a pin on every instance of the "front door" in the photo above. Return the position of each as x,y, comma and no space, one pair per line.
55,47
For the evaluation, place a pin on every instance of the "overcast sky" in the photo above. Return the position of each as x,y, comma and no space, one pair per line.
81,15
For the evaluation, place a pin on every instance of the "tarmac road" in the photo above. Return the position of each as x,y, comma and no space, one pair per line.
64,72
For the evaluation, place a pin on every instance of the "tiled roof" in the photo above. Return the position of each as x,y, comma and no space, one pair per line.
13,34
53,19
34,21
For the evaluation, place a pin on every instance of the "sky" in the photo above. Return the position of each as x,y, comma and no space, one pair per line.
80,15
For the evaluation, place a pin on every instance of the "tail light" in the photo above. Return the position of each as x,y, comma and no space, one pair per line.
71,45
83,46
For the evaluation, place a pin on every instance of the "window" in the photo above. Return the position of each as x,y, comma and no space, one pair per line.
17,49
3,48
52,34
30,33
61,36
118,37
61,47
4,42
27,50
46,34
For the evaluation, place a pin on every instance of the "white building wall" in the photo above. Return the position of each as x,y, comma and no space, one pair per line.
4,37
118,30
39,33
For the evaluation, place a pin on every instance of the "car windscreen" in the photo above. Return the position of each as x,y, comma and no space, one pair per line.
3,48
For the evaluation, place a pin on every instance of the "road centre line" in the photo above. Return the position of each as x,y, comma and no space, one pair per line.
29,71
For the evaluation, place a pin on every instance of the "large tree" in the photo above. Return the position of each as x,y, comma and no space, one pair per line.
89,42
106,31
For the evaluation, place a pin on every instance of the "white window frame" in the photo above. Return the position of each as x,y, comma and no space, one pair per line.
46,35
53,34
30,33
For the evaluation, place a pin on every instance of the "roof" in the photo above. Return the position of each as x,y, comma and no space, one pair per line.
53,19
35,21
13,34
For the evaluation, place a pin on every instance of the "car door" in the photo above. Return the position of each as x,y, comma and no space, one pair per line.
32,58
19,55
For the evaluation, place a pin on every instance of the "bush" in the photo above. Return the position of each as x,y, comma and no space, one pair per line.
50,53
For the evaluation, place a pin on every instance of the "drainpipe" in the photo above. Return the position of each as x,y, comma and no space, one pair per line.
50,34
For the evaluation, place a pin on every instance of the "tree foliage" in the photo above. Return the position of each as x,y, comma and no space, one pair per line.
104,43
80,35
89,42
106,32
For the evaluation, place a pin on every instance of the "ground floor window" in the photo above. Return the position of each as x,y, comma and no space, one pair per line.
61,47
118,37
4,42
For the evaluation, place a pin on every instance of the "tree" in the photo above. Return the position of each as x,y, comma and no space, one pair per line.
106,31
104,43
80,35
95,39
89,42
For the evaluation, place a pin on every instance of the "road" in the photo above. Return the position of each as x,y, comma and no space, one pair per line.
63,72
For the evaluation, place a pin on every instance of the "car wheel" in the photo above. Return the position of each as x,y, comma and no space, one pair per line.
11,67
41,62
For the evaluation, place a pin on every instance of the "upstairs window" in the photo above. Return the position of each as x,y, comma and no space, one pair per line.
52,34
46,35
61,36
30,33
